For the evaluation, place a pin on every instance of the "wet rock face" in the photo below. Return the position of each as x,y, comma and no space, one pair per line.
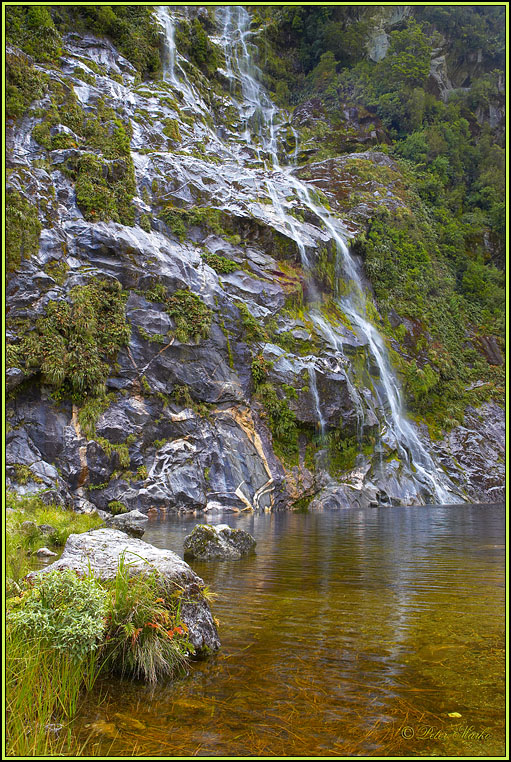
207,542
478,449
102,549
182,425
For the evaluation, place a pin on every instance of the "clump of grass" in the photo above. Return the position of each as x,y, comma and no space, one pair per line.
53,631
221,265
116,508
21,543
252,328
43,687
145,636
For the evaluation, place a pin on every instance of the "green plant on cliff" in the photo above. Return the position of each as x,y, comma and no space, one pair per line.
74,343
132,28
191,316
221,265
193,41
180,220
22,229
252,329
31,27
104,189
24,84
281,421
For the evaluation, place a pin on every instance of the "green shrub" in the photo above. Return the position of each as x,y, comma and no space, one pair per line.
142,473
74,343
281,420
193,41
171,130
22,229
252,328
32,28
259,369
116,508
121,450
104,190
220,264
191,316
180,220
132,28
65,610
24,84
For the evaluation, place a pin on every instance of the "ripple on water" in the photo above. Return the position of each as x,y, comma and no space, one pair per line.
340,630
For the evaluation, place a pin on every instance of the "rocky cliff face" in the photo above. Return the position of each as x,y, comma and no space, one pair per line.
177,338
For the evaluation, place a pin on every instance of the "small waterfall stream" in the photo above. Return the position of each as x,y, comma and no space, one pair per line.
260,123
169,48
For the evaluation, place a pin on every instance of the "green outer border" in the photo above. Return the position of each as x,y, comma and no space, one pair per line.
3,362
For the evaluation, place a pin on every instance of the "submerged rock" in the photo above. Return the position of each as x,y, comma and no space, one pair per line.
101,551
208,542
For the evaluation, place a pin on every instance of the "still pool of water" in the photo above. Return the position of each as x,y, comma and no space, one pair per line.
347,633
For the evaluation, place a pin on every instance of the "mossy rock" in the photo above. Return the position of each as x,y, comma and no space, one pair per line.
208,542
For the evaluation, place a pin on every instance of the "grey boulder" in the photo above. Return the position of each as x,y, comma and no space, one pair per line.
208,542
133,523
101,551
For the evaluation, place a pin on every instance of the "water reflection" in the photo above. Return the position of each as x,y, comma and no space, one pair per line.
341,630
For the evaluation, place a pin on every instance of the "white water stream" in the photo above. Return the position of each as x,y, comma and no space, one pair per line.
260,124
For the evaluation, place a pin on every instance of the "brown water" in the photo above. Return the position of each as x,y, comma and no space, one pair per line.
348,633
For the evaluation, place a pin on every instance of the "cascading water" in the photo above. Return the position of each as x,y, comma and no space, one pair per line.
169,47
260,122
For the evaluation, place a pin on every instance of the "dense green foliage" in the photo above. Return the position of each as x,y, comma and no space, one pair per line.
75,342
191,316
281,421
65,610
437,262
193,41
64,628
24,84
22,229
31,28
221,265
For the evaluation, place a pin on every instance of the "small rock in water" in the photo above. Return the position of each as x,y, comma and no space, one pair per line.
45,553
208,542
101,727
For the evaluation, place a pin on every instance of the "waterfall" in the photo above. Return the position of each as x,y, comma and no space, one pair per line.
315,396
169,49
260,122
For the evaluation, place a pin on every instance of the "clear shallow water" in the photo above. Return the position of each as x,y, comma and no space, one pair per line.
347,633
